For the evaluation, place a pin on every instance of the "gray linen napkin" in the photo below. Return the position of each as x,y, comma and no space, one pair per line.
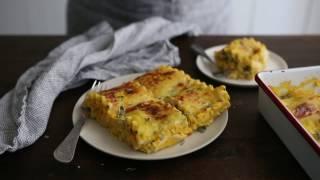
25,110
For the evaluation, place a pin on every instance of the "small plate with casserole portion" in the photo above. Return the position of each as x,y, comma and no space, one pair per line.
101,139
210,70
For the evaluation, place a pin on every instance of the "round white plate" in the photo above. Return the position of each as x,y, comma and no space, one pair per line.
274,62
101,139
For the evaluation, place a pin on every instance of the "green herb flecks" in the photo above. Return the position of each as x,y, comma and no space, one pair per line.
121,113
202,129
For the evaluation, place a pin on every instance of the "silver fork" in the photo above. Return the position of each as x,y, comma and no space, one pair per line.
201,52
65,151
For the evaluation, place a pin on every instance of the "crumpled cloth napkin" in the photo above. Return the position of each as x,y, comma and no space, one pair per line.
139,47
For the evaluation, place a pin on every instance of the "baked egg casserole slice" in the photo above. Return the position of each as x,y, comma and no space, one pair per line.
201,103
163,81
242,58
154,125
106,106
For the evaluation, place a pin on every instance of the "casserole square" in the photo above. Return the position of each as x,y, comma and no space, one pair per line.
242,58
106,105
163,81
147,126
201,103
154,125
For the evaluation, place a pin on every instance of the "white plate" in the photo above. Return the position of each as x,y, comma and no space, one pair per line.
101,139
274,62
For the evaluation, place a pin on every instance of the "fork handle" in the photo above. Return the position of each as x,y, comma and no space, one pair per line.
65,151
200,51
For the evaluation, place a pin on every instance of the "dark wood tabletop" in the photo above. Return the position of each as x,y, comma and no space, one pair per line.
247,149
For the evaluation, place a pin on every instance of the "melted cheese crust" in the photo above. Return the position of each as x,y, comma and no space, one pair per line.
156,125
157,109
112,100
163,81
201,103
242,58
303,101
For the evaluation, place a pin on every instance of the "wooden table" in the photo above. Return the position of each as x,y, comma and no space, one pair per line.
247,149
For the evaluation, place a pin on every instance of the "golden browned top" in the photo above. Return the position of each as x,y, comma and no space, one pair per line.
127,89
124,96
156,109
156,77
163,81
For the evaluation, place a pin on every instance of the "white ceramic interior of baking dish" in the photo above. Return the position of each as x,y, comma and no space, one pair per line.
299,142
